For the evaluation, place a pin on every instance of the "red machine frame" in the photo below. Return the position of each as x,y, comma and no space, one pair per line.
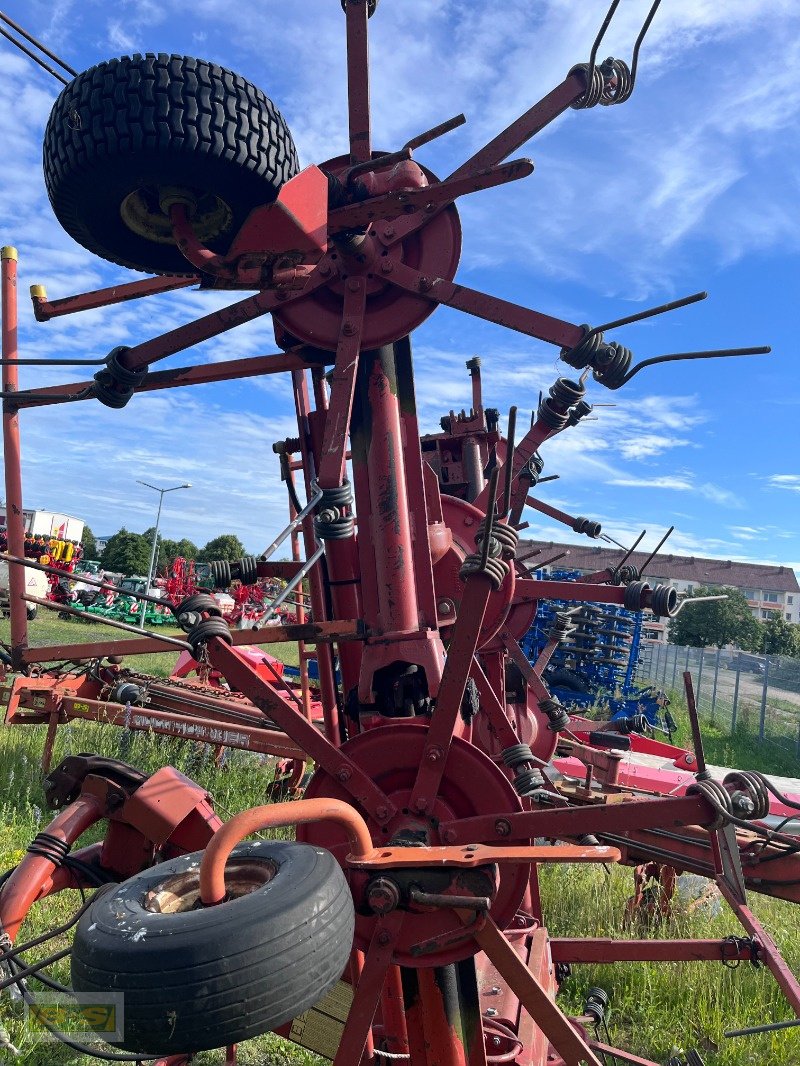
409,573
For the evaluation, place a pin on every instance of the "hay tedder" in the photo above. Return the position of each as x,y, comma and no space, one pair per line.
408,908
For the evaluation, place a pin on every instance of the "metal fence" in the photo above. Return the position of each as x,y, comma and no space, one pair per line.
755,695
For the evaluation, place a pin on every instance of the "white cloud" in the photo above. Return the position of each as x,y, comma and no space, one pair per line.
785,481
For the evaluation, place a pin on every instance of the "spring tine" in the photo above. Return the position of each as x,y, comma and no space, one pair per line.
720,353
437,131
631,550
694,721
600,35
554,559
32,55
509,469
639,39
655,551
490,517
550,477
29,37
651,312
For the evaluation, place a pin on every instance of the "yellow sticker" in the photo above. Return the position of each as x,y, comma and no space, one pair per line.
80,708
320,1028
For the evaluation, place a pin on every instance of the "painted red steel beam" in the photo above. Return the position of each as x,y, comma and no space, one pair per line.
329,758
332,461
529,589
184,726
526,126
199,374
607,950
358,80
283,570
551,512
490,308
620,1056
312,633
44,309
15,522
615,818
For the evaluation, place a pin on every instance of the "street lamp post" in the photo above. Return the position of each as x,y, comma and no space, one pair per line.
154,549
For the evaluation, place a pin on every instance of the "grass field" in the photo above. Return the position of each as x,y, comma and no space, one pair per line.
654,1008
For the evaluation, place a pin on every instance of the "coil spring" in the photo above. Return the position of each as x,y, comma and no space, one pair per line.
114,384
664,601
557,715
594,92
517,755
248,569
495,569
565,392
550,416
189,611
618,82
527,781
532,470
332,523
718,797
579,411
203,631
612,365
596,1005
753,784
634,595
625,574
584,352
221,573
561,628
506,536
587,526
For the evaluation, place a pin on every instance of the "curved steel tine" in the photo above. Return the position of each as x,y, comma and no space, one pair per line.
651,312
509,467
490,517
639,39
720,353
600,35
655,551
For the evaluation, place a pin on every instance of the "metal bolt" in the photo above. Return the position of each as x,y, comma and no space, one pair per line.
494,990
421,804
343,774
354,285
425,284
381,813
502,827
387,266
444,607
383,937
389,231
348,329
326,270
434,754
689,759
448,836
383,895
490,1012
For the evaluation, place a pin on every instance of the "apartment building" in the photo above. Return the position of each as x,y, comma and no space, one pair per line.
769,589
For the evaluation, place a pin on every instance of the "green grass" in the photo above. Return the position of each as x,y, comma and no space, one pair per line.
654,1008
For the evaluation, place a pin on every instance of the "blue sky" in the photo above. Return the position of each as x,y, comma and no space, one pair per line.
693,184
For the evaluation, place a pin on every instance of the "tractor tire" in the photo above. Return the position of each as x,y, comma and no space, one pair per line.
127,130
198,978
31,610
563,677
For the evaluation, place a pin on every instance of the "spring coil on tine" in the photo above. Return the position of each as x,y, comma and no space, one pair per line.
625,575
612,364
517,755
594,92
618,84
566,393
330,523
587,526
506,536
561,628
548,414
718,797
634,595
752,784
664,601
495,569
584,352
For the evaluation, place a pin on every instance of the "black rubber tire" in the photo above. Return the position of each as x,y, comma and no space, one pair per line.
31,610
563,677
201,979
150,121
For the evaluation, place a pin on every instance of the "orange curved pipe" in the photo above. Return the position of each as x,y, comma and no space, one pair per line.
32,878
274,816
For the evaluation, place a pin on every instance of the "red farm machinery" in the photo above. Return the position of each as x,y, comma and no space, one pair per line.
412,889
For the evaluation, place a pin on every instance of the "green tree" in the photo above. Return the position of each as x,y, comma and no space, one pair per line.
728,621
89,544
227,546
780,637
127,553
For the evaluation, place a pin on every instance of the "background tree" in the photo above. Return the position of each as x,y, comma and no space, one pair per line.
127,553
780,637
89,544
227,546
728,621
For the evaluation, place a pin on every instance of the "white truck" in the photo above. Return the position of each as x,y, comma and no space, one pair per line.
36,584
49,524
